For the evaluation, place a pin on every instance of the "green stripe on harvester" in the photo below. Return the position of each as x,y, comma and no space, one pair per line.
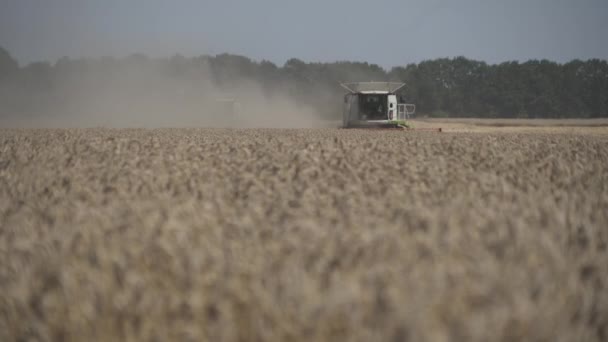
400,123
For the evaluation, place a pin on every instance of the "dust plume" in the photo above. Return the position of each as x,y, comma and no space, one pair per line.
141,92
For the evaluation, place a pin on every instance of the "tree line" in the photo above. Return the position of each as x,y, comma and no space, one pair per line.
444,87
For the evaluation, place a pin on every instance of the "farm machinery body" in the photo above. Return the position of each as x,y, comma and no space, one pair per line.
375,105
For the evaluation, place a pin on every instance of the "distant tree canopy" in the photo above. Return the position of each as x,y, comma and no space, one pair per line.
445,87
8,66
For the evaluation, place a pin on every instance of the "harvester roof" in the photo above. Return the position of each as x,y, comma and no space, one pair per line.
373,87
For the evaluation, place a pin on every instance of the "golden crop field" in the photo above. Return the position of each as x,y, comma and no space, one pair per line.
304,235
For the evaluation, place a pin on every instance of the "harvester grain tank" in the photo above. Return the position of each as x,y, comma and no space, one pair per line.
375,105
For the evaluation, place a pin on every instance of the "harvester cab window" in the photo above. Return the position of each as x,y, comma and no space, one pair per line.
373,107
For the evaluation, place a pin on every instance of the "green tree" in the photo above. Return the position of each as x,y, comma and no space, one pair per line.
8,65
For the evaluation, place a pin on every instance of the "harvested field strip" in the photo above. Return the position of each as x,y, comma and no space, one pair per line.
603,122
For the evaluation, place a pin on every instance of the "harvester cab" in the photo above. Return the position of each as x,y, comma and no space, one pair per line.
227,107
375,105
223,111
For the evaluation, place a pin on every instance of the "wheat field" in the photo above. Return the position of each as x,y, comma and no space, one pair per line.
303,235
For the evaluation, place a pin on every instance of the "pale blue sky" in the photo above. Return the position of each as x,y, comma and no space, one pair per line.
386,32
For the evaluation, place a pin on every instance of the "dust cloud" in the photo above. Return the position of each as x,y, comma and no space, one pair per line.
153,94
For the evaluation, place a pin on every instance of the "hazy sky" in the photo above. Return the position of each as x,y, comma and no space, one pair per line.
387,32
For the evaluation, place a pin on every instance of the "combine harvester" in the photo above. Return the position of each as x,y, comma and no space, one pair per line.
375,105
